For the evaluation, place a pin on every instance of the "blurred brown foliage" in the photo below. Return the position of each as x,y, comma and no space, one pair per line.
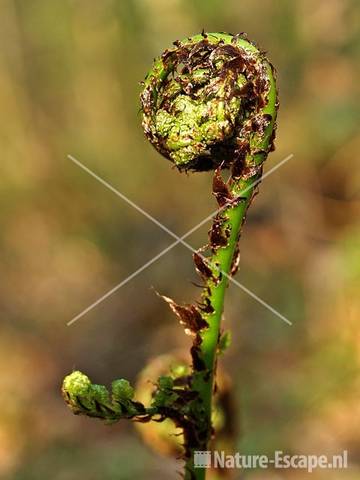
69,73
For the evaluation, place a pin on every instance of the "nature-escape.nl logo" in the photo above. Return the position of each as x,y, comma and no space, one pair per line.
280,460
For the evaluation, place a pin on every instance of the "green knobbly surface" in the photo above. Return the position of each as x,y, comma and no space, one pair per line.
194,123
84,397
122,390
198,97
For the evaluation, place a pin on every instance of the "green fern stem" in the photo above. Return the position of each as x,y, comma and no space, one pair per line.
208,103
217,112
221,264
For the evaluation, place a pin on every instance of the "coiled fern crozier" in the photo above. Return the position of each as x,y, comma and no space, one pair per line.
208,103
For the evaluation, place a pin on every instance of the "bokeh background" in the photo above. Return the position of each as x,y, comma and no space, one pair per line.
69,83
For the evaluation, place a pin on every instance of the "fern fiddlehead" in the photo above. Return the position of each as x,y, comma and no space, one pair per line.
209,103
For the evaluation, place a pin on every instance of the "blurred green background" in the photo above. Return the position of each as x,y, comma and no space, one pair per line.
69,83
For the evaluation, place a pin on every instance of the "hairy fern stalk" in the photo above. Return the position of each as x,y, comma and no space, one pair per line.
209,103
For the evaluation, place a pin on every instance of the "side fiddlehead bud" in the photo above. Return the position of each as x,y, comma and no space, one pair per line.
86,398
